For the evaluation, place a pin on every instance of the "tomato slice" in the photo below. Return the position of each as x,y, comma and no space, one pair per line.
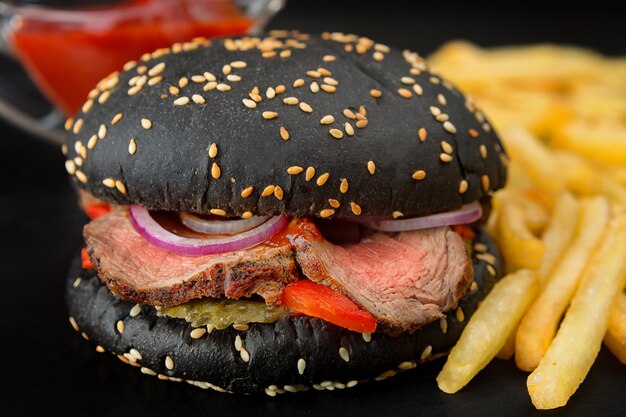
84,257
464,231
316,300
96,210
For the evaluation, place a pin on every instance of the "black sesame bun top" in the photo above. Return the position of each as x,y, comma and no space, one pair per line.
288,123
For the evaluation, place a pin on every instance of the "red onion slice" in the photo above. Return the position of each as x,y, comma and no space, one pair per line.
467,214
220,227
154,233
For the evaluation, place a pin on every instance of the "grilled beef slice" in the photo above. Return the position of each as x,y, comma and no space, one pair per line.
140,272
405,280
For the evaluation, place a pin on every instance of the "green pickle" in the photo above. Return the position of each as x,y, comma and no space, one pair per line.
222,313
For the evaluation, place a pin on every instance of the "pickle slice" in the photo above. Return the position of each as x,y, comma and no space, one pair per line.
222,313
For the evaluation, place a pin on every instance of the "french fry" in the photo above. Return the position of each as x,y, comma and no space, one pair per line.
520,247
615,337
578,341
488,329
537,328
535,157
559,232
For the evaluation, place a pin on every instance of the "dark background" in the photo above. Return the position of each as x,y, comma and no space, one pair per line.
47,369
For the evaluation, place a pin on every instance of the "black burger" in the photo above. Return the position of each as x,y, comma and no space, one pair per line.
280,212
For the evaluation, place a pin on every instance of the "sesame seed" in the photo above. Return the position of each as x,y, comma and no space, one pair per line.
245,215
407,80
314,87
328,58
173,90
102,132
78,126
238,343
169,362
216,172
381,48
397,214
480,247
447,148
313,74
361,124
108,182
426,352
69,123
301,366
157,69
443,324
343,352
198,99
492,270
73,323
285,54
305,107
135,311
356,209
280,89
133,90
371,167
181,101
198,79
223,87
486,127
460,315
485,182
278,193
321,180
419,175
132,146
120,186
327,120
310,173
269,115
367,337
334,203
405,366
245,356
441,99
349,114
120,326
363,111
87,106
116,119
449,127
483,151
218,212
291,101
463,186
435,111
270,392
249,103
336,133
331,81
294,170
473,133
78,145
211,85
326,213
182,83
375,93
349,129
434,80
70,167
64,149
233,78
238,64
343,187
445,157
284,134
213,150
348,48
267,191
135,354
270,93
328,88
418,89
148,371
422,134
100,349
403,92
268,54
78,161
246,192
198,333
298,83
442,117
146,123
378,56
76,282
81,176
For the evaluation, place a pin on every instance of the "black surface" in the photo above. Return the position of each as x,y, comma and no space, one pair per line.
46,368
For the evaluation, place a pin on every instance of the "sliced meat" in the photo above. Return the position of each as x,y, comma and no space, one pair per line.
140,272
405,280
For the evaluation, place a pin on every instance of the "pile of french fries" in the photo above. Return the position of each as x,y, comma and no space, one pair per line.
561,220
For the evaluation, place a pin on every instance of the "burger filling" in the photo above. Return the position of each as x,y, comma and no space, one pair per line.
346,273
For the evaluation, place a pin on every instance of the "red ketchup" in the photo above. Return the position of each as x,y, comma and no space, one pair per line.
69,54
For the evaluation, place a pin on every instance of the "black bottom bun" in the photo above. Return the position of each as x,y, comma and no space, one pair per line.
289,355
